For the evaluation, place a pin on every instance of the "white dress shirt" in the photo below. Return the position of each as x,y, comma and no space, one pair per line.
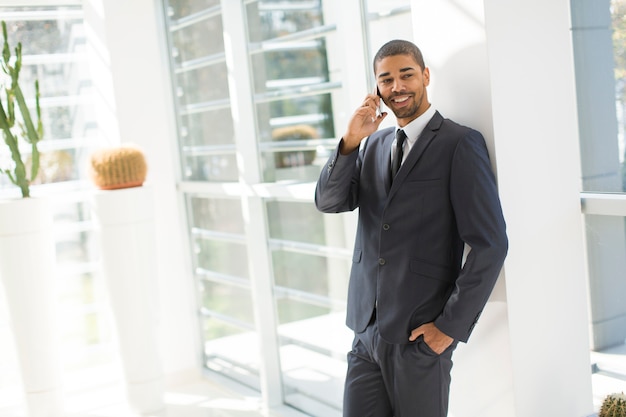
413,130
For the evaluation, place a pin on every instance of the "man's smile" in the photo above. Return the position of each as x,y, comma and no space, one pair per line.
400,100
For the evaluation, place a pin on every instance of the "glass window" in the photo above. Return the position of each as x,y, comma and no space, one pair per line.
295,221
207,149
231,351
292,86
220,258
602,157
217,121
219,298
301,272
292,62
190,41
618,18
601,95
205,124
202,85
182,8
220,215
599,37
386,20
310,289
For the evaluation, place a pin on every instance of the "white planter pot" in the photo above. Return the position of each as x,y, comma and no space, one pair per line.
27,265
125,219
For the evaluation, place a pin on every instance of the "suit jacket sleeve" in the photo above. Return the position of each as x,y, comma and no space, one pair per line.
337,187
481,225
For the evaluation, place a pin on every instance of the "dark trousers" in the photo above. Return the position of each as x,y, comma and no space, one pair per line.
390,380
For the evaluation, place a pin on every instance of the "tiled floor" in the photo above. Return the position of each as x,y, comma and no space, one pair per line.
200,398
206,398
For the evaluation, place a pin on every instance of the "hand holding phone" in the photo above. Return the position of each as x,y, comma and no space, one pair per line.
363,123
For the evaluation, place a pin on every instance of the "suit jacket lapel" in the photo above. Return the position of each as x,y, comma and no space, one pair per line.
384,160
427,136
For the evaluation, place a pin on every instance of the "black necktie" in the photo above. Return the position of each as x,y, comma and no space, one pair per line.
397,158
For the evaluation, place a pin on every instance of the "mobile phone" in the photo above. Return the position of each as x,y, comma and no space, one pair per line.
379,109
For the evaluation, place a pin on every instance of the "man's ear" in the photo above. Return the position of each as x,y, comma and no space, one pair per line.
426,75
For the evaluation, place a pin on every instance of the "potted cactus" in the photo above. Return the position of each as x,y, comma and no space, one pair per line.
285,159
27,257
614,405
118,167
28,131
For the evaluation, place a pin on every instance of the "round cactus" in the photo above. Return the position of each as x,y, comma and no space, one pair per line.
614,405
118,167
294,158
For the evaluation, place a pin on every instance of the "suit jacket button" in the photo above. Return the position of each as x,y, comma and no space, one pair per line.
381,261
385,226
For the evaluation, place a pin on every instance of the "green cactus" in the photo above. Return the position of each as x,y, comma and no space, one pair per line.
614,405
27,130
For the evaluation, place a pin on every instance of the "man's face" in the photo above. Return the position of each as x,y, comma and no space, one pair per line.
402,85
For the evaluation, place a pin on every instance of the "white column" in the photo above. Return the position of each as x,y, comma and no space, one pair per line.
521,53
27,272
130,59
452,38
537,149
126,226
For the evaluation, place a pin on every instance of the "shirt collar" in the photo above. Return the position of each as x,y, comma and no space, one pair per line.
414,129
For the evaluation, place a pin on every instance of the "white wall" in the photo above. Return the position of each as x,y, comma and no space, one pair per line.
131,77
482,380
537,148
534,339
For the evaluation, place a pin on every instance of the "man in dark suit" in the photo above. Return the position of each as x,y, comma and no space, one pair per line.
412,296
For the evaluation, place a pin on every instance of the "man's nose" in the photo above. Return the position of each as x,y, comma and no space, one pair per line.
397,86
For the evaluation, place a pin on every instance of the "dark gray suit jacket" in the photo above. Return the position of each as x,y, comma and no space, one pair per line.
408,250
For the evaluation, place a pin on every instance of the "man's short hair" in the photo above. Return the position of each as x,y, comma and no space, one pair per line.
399,47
